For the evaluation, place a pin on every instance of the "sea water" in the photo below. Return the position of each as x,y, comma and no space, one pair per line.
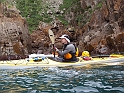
98,79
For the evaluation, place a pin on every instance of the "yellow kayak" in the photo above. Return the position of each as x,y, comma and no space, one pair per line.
46,62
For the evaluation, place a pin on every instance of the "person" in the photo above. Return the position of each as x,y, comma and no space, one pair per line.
69,50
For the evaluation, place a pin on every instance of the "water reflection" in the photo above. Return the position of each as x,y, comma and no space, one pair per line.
106,79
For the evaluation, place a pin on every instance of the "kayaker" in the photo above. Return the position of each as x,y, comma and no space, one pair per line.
69,50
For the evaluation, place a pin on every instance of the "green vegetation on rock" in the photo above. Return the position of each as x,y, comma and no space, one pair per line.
37,10
30,9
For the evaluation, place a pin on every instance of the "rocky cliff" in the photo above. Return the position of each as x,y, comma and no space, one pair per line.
105,27
14,34
94,25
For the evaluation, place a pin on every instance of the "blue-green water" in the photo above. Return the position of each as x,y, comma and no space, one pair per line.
107,79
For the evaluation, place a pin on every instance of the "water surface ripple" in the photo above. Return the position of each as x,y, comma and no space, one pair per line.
108,79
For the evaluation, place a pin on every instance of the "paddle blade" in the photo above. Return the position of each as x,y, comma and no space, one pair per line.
51,35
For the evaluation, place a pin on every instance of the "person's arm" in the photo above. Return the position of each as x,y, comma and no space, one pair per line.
67,50
62,53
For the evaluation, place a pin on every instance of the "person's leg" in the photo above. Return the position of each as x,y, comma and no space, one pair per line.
58,59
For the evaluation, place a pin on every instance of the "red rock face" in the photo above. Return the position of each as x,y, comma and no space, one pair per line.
109,20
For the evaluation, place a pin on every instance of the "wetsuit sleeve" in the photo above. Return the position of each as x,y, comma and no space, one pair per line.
68,49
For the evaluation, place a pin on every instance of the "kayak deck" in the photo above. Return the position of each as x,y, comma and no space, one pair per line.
50,63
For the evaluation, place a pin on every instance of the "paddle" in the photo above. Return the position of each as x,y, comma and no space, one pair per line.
52,38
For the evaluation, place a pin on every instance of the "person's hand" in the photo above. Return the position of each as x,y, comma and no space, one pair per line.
56,49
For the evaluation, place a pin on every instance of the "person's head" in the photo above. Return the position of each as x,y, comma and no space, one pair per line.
65,39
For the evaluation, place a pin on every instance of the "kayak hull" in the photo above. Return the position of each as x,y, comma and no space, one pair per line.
51,63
